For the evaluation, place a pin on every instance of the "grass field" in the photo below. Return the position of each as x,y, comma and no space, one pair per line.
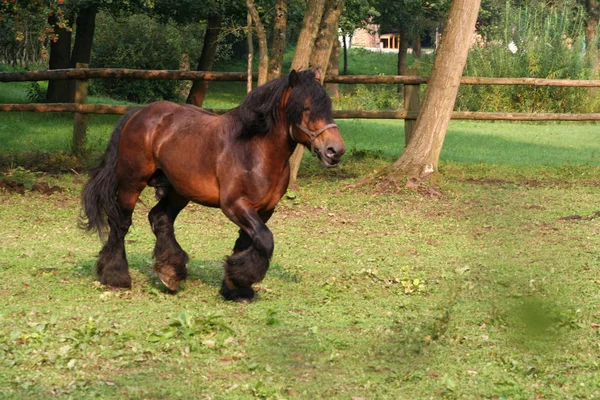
490,291
483,293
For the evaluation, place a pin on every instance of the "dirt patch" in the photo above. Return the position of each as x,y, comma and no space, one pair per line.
580,217
20,188
501,182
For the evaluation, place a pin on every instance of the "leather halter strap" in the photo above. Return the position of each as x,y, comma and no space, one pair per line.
312,135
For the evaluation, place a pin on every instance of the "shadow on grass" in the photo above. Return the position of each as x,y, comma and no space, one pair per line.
209,272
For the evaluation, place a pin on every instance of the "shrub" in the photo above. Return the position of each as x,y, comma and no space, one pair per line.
142,43
536,42
547,43
369,97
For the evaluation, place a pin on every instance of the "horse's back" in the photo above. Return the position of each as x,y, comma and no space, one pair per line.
182,141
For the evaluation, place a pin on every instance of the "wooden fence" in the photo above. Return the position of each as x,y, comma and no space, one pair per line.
410,81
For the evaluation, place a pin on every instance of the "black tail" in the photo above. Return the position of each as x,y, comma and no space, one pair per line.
99,196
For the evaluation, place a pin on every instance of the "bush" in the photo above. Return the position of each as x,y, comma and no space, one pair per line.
534,42
375,97
142,43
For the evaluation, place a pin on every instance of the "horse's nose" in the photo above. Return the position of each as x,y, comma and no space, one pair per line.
336,151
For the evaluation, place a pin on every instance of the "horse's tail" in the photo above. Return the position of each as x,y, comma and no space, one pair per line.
99,196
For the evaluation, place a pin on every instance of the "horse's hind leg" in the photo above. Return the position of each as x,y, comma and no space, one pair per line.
170,257
112,267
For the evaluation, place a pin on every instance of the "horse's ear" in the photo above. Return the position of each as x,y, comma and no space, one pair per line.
317,75
294,78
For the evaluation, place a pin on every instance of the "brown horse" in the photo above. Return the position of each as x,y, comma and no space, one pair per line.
237,161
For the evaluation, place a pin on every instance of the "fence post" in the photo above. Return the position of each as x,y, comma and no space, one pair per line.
80,121
412,103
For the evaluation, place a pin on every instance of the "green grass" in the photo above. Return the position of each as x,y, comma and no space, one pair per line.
484,293
497,143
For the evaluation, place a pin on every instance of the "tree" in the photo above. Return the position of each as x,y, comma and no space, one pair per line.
357,14
314,50
592,8
328,33
206,60
409,18
279,39
308,34
263,55
420,157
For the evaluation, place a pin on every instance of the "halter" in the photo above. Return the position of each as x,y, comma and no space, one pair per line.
312,135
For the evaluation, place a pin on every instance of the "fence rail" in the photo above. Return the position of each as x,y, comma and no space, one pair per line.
338,114
410,81
178,75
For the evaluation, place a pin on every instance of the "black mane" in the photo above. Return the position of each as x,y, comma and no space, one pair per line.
258,111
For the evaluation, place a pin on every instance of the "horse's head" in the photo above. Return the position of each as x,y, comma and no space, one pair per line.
309,114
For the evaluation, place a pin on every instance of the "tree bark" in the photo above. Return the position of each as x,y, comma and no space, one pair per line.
334,68
206,60
328,33
250,53
304,47
84,39
420,158
308,34
417,46
60,54
263,56
345,56
319,59
402,51
591,34
279,39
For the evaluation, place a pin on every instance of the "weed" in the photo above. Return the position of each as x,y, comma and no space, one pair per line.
35,93
185,326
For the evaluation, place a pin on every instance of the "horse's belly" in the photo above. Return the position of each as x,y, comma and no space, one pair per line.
201,190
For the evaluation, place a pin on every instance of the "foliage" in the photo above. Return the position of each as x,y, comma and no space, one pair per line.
410,16
533,41
144,44
379,97
356,14
36,93
27,27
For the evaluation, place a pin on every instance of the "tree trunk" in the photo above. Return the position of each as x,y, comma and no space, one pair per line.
304,47
420,158
250,53
334,68
84,38
402,51
417,46
345,56
60,54
263,56
206,60
319,59
279,40
308,34
328,33
591,35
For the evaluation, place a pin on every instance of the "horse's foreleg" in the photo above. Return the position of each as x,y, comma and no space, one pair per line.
251,255
112,267
170,257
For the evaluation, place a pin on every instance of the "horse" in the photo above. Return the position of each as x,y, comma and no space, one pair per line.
237,161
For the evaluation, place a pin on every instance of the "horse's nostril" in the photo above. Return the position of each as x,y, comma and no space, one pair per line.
331,152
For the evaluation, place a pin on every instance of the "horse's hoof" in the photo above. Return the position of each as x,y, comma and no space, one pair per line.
239,295
117,281
168,276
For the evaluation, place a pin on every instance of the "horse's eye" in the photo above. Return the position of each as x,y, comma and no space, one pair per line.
306,109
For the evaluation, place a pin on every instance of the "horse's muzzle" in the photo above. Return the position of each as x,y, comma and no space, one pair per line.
332,155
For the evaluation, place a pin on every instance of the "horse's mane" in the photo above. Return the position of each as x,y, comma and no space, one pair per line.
258,112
